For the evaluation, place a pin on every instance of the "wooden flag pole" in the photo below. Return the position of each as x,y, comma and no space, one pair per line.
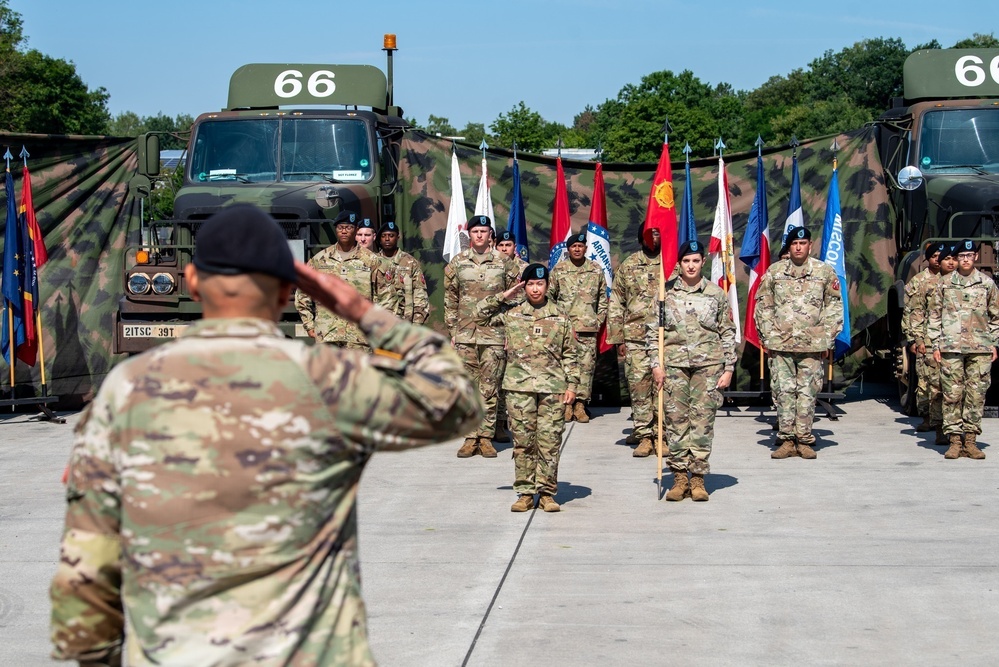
41,348
662,368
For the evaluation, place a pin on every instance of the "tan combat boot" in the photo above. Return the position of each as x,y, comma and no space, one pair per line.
805,450
697,490
644,448
524,503
579,412
486,448
681,486
941,439
548,504
567,414
785,450
467,449
954,451
971,449
502,433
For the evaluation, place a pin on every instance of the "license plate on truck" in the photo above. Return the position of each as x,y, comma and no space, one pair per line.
152,330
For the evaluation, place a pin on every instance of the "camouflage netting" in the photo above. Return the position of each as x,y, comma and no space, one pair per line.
870,244
80,191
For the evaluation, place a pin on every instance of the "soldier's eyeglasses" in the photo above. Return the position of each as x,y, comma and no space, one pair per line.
966,255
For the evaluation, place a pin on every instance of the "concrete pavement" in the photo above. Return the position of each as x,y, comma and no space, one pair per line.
879,551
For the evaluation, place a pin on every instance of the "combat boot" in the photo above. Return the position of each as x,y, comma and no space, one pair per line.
644,448
681,486
954,451
805,450
524,503
971,449
925,425
579,412
502,433
697,491
941,439
631,439
468,448
567,414
486,448
785,450
548,504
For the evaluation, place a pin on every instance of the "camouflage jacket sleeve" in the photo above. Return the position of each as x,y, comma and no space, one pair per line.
914,310
450,298
487,308
615,312
412,391
306,309
383,288
831,322
764,309
993,308
421,300
570,357
934,316
87,617
554,289
726,331
602,300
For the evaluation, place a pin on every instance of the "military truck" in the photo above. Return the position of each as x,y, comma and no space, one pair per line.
272,146
939,146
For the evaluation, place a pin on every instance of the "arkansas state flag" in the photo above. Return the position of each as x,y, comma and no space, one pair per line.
661,213
561,226
722,250
755,251
598,242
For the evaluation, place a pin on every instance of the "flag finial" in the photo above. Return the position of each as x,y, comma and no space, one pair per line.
759,146
24,155
794,145
483,146
835,149
687,150
8,157
720,147
514,148
667,128
600,151
558,145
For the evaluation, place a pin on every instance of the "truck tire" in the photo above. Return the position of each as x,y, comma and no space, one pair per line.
907,381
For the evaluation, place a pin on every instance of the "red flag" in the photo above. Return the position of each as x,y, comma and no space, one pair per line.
661,213
34,231
561,227
598,242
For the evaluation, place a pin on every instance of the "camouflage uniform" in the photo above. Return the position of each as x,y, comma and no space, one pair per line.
468,278
581,292
917,295
212,490
698,346
501,416
541,367
368,274
630,313
799,313
963,325
415,304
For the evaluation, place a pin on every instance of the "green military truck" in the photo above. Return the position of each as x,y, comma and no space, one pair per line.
939,146
271,146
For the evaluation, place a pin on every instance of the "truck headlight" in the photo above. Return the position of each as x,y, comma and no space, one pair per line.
163,283
138,283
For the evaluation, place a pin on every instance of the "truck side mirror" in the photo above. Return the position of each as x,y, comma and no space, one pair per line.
148,150
910,178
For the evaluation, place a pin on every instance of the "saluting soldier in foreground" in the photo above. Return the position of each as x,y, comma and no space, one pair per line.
540,380
914,329
469,277
578,285
799,312
415,303
630,313
699,358
362,269
211,490
963,331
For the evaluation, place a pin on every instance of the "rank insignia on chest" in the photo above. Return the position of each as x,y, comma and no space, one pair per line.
537,331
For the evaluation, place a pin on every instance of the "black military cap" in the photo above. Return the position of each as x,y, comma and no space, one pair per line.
691,247
949,250
366,224
576,238
932,248
479,221
506,236
389,227
796,233
243,239
967,245
535,272
345,218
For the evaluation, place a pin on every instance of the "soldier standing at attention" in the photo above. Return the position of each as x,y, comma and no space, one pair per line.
699,357
914,330
630,313
415,303
211,491
948,264
578,285
540,379
469,277
963,330
365,235
360,267
507,245
799,312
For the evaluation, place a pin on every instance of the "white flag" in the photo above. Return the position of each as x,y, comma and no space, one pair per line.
722,249
483,202
456,234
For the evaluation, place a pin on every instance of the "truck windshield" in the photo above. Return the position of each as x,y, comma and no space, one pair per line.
258,150
960,139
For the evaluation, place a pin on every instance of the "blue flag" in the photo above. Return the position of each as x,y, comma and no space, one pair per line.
13,278
833,254
517,222
687,227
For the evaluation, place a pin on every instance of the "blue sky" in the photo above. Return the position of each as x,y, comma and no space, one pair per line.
467,61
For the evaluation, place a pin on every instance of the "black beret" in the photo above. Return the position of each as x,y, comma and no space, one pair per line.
244,239
506,236
479,221
691,247
798,233
535,272
576,238
388,227
366,224
933,248
949,250
967,245
345,218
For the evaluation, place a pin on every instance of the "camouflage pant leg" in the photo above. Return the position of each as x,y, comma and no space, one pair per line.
922,384
934,393
689,405
587,358
501,414
798,379
536,422
964,380
638,369
485,364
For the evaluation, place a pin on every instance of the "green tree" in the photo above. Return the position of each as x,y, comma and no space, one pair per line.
525,126
978,41
816,119
869,73
440,126
474,133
